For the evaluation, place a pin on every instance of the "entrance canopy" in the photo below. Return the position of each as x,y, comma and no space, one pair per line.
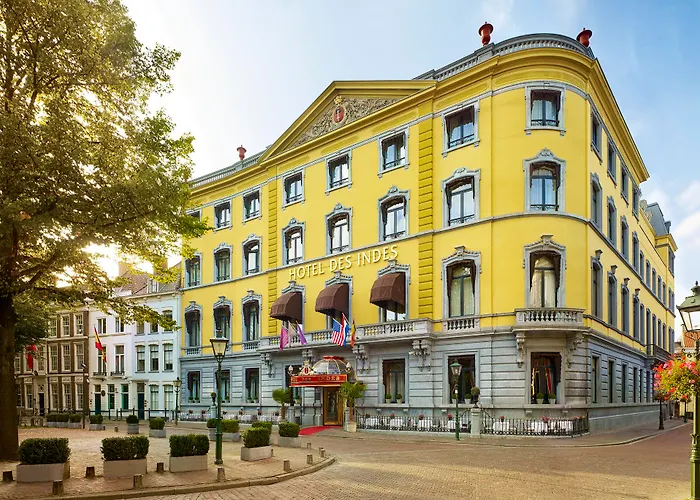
334,298
331,371
288,307
389,292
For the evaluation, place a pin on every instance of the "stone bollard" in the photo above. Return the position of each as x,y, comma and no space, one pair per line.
272,452
90,471
308,446
322,452
287,466
57,488
116,429
160,467
220,475
138,481
309,459
476,421
7,476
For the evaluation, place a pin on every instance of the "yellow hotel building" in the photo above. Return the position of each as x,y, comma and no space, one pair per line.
487,213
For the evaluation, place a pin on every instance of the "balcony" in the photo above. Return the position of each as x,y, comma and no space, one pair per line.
546,318
394,330
193,351
251,345
657,353
99,374
118,373
460,324
315,338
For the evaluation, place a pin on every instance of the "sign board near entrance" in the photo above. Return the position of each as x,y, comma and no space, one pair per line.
318,380
344,262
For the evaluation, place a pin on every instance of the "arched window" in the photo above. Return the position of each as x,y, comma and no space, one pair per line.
222,264
251,320
294,245
461,289
193,271
544,280
394,218
544,187
251,257
222,321
460,201
339,233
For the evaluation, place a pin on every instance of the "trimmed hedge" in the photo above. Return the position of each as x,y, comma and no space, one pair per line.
124,448
74,418
263,425
157,424
229,426
289,429
44,451
211,423
189,445
132,419
96,419
256,437
59,417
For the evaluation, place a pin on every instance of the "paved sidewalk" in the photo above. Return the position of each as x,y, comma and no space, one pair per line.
85,451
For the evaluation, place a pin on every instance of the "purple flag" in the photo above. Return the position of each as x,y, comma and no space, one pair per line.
284,337
300,331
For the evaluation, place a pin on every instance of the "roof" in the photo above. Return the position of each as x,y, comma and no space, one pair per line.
660,225
138,283
688,341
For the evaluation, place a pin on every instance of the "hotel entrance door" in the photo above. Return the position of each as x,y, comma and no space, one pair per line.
332,413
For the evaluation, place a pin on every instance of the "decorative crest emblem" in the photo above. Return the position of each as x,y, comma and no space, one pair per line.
339,111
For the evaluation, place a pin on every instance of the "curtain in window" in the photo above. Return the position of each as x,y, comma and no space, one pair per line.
461,290
222,318
543,188
543,283
251,321
394,378
193,329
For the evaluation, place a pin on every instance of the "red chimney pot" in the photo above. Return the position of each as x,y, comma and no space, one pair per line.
241,152
584,37
485,32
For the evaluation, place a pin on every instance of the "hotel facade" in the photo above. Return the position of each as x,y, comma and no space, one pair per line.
488,213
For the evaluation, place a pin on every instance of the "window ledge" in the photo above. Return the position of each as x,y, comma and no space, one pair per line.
528,130
257,216
626,198
597,153
474,142
285,205
335,188
220,228
612,177
460,224
391,169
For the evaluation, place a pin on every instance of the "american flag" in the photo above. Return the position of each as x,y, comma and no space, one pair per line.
338,333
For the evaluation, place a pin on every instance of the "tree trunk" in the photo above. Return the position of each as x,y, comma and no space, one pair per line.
8,397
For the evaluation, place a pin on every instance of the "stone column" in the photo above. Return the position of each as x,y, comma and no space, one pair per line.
476,421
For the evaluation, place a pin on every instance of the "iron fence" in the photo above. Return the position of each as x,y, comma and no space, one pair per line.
418,423
544,426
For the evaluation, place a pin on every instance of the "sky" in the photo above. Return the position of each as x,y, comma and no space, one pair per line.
249,68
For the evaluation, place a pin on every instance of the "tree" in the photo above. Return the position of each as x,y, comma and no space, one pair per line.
84,164
282,397
352,391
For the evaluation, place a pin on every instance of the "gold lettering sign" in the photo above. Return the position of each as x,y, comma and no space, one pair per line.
344,262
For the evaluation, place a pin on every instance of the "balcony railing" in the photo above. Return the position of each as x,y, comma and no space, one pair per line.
658,352
318,337
549,317
251,345
460,324
395,329
99,374
193,351
118,373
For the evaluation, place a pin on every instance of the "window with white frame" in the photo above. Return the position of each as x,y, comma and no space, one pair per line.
54,397
544,187
168,357
155,357
596,133
79,356
544,279
545,107
251,257
193,271
461,201
612,158
53,358
66,358
251,205
339,233
169,399
168,315
41,354
67,397
460,127
119,359
140,358
79,329
293,242
222,264
53,328
338,171
65,326
154,326
596,202
293,188
79,396
222,321
118,325
251,320
393,151
222,214
195,214
461,289
393,218
153,403
612,222
152,286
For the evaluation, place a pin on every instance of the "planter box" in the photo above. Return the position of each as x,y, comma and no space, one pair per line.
186,464
132,428
50,424
156,433
75,425
125,468
231,437
97,427
290,442
253,454
43,472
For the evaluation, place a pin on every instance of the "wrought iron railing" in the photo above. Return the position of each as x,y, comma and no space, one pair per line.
544,426
418,423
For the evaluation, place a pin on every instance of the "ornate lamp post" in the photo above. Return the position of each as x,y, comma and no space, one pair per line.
290,370
456,370
177,384
690,314
219,345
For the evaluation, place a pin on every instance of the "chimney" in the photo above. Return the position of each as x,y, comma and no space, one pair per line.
123,268
485,33
584,37
241,152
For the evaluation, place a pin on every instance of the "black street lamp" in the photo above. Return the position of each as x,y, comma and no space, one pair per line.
456,369
177,384
690,314
219,345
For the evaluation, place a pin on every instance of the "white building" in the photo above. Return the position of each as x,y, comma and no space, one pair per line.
141,360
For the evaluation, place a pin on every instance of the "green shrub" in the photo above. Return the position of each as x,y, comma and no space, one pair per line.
229,426
189,445
256,437
157,424
124,448
50,417
289,429
96,419
263,425
74,418
44,451
211,423
132,419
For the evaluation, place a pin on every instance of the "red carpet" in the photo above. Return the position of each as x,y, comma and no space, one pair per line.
307,431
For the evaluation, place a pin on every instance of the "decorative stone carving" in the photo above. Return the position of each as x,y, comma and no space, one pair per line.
572,343
267,363
520,339
361,352
422,350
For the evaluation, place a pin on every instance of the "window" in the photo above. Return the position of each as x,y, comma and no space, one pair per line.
18,365
595,379
67,397
634,384
53,359
79,396
79,356
612,221
461,201
544,280
41,353
119,359
653,329
252,384
663,293
653,281
635,251
125,396
625,301
111,391
623,376
225,385
154,326
30,397
222,321
671,300
169,399
648,274
140,358
635,200
393,152
155,355
296,391
597,289
251,257
393,218
196,214
546,375
251,205
54,397
339,233
650,335
612,300
65,326
658,287
596,202
671,261
251,320
664,337
625,183
612,169
53,328
118,325
168,357
222,264
140,328
153,401
466,380
635,318
544,187
222,214
596,134
339,171
394,378
642,332
461,289
192,324
293,188
193,271
624,238
611,381
79,331
544,108
168,314
294,246
66,358
460,127
152,286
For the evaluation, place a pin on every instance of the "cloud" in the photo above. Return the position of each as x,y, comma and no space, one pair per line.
689,199
499,13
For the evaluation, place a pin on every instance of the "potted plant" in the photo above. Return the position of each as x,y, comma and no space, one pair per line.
188,453
289,435
43,460
540,398
213,398
124,456
475,392
211,425
74,421
96,423
297,400
132,426
552,398
156,428
256,444
399,398
229,428
282,398
422,423
191,400
387,398
351,392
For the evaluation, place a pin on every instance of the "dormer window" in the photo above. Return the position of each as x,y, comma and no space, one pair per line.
251,205
152,286
222,214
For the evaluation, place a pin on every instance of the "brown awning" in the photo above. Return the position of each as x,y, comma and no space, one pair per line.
333,298
288,307
389,292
